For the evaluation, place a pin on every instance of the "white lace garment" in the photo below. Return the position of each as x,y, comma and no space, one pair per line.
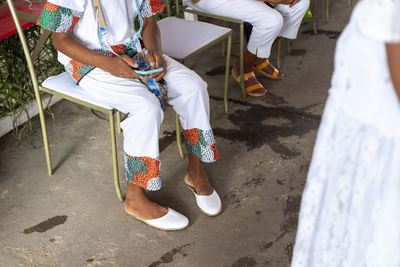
350,210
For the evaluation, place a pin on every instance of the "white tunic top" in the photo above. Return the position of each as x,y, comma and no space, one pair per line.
78,17
349,214
361,79
119,16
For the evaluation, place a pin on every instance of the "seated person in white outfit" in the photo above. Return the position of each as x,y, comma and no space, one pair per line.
97,44
268,23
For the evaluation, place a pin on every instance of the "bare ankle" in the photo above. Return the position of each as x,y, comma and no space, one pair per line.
139,205
199,182
259,60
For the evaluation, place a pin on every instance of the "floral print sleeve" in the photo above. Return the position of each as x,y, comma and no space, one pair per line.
57,18
152,7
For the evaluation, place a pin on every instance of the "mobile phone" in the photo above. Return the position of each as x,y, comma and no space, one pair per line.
144,68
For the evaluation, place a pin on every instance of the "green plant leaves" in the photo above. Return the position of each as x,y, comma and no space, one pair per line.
16,88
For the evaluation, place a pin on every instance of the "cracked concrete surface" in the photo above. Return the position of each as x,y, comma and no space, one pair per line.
73,217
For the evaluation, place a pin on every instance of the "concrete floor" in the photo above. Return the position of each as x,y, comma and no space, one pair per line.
73,218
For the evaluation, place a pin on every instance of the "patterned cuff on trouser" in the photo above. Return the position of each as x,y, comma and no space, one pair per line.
143,171
201,143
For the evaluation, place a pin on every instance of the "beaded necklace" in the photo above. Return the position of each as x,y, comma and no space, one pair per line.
102,29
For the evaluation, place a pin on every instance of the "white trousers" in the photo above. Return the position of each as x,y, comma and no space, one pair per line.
187,93
268,23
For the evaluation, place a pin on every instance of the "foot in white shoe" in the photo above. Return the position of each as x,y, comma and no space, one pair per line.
210,205
171,221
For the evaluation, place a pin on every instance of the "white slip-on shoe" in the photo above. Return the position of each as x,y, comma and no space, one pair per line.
210,205
171,221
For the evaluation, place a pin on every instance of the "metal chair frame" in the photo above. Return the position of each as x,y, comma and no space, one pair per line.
226,20
327,13
38,89
227,36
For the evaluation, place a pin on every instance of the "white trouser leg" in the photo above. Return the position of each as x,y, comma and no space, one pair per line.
140,128
186,92
268,23
292,18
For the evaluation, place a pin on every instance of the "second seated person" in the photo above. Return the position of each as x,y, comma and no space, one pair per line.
98,45
280,18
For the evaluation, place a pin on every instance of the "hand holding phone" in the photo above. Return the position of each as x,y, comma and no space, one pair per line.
144,68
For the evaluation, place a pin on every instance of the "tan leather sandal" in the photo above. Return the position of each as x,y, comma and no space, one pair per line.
260,69
250,90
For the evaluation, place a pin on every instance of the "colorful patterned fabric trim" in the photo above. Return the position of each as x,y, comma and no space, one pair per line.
152,7
143,171
58,19
78,70
159,89
201,144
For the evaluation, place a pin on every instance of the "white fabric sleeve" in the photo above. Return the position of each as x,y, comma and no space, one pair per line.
379,19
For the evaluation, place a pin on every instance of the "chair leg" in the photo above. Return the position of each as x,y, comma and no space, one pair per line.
288,46
119,122
44,133
278,53
228,57
178,135
226,24
314,16
327,11
241,58
114,155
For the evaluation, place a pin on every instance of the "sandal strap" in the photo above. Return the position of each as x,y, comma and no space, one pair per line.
253,87
276,73
265,64
246,76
